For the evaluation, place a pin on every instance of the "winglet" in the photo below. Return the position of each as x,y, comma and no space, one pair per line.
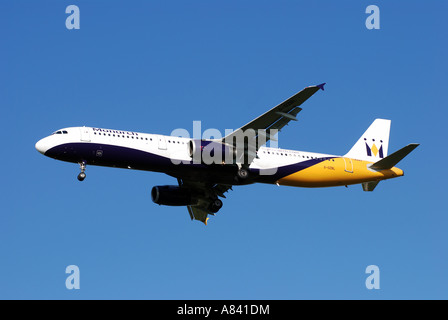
321,86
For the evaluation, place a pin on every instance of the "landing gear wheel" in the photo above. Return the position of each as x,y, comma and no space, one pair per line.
215,205
81,176
243,173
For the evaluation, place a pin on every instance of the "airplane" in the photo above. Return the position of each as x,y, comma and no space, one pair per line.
207,168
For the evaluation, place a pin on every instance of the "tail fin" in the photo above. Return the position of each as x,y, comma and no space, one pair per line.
373,144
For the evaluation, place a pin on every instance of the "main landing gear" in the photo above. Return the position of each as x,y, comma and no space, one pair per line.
215,205
82,175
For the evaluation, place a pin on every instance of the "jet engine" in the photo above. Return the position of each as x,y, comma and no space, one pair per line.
172,196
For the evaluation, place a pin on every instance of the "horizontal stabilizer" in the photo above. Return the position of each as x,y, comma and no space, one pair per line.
391,160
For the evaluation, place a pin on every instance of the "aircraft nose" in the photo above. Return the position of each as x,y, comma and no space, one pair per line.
42,145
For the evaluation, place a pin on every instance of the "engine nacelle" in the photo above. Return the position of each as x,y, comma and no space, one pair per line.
211,152
172,196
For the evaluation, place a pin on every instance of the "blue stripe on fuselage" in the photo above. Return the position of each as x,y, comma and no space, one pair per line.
126,157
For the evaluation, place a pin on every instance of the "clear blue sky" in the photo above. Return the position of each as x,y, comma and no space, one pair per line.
154,66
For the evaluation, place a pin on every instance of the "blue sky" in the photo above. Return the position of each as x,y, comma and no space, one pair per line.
154,66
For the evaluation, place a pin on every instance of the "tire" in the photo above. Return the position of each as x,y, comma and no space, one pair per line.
81,176
215,205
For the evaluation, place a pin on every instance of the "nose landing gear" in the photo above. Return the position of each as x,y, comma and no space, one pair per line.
82,175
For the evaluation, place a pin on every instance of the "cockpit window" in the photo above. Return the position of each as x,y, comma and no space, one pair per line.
58,132
64,132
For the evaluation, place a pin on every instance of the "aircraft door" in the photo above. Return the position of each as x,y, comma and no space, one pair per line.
162,143
348,165
85,134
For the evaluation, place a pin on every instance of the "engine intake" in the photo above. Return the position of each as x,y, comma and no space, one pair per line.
172,196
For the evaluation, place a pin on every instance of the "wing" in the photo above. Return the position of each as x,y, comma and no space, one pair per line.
207,196
263,128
